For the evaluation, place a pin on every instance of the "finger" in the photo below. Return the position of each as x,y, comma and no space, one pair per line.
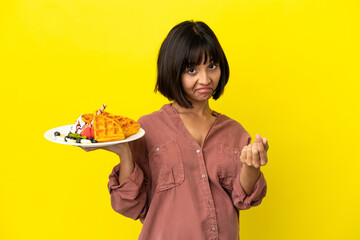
263,141
243,154
255,155
88,149
85,149
258,138
249,155
266,144
262,154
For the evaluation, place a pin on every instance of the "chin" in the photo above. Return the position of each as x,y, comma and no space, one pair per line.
202,99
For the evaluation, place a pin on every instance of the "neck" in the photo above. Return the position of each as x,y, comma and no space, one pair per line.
199,109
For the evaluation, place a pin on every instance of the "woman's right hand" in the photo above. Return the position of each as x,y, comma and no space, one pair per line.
126,161
121,149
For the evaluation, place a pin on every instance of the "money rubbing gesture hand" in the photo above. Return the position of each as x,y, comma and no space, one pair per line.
255,154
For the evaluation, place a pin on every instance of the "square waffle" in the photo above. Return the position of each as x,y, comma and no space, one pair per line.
129,126
107,129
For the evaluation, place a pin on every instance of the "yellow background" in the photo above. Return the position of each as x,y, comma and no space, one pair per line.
294,78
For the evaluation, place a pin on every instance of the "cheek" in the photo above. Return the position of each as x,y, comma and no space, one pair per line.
216,77
187,82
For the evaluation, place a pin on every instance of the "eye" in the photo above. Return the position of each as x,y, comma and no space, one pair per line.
191,70
212,66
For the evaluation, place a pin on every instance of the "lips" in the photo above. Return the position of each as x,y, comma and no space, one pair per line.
204,90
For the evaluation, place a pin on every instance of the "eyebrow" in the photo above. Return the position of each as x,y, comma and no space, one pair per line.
211,61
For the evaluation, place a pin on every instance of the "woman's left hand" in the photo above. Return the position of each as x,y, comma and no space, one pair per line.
255,154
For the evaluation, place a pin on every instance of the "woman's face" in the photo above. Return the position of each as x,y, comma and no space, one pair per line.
199,82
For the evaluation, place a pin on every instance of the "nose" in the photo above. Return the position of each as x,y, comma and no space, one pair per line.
204,77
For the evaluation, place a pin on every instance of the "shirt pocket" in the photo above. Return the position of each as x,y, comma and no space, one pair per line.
166,165
228,164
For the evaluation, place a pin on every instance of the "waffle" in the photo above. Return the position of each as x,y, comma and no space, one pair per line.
129,126
107,129
88,117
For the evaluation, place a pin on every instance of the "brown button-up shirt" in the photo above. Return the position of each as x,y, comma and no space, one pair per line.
180,190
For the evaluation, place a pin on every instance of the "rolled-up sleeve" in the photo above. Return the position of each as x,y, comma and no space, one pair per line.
241,200
129,197
130,188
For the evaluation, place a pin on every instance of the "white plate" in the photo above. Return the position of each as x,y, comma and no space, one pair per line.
49,135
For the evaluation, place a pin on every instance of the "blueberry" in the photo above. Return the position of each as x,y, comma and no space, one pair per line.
94,141
56,134
78,140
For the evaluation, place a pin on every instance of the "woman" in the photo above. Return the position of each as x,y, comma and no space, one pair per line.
195,168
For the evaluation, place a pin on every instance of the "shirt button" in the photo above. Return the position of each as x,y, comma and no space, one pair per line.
235,152
203,176
213,228
157,149
198,151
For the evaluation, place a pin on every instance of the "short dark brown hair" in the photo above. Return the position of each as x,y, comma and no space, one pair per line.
185,46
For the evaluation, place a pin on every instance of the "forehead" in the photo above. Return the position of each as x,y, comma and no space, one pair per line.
200,56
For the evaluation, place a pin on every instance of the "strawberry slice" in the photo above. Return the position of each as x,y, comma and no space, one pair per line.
86,131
